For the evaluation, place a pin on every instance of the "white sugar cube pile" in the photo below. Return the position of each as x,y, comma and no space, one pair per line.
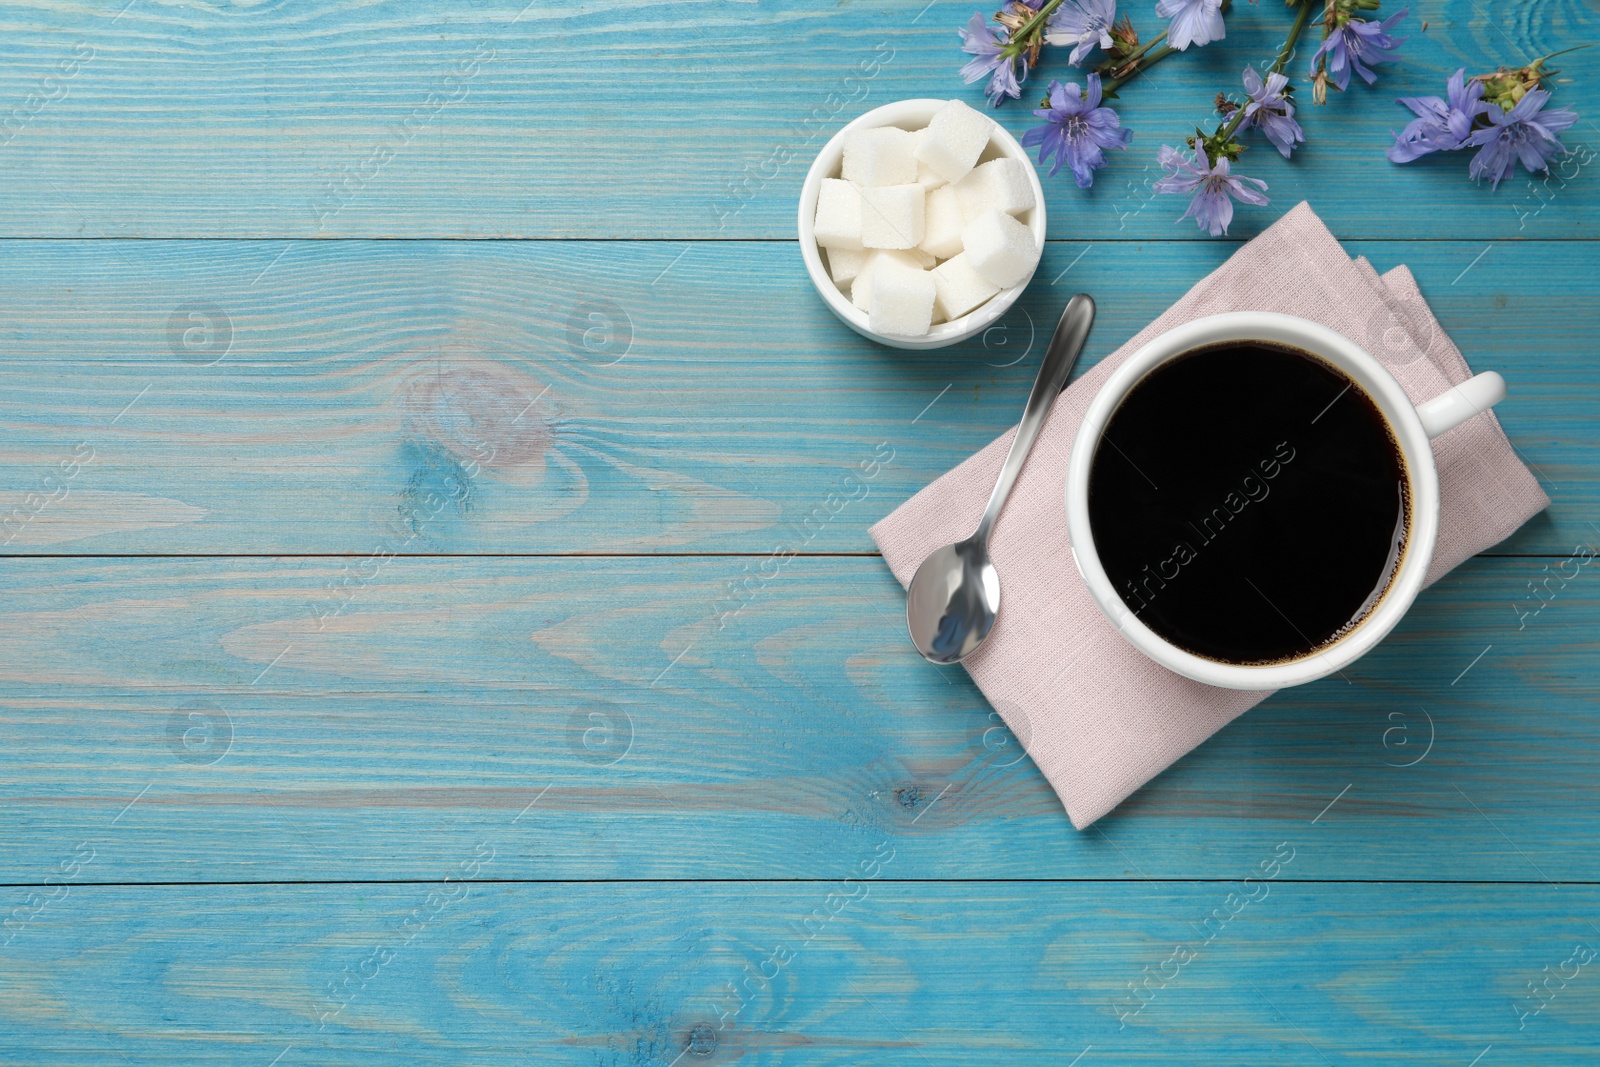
916,230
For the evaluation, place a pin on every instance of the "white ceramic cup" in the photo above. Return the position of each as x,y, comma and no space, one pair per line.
1413,428
910,115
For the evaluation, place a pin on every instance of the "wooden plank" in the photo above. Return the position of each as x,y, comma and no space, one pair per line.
190,721
301,719
1264,972
227,393
693,119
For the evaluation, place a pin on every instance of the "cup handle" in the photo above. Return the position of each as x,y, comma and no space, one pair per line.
1472,397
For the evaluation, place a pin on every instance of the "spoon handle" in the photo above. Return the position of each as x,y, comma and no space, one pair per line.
1059,359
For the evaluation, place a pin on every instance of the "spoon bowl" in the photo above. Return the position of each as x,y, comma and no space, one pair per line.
954,597
953,600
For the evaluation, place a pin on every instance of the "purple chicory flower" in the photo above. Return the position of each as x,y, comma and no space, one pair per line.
1211,187
1526,132
988,48
1271,109
1440,125
1077,130
1084,24
1194,22
1354,44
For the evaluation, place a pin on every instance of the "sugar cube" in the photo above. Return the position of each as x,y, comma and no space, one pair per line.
954,139
901,301
1000,184
909,258
927,177
880,156
861,288
838,222
942,223
999,248
845,263
959,288
892,216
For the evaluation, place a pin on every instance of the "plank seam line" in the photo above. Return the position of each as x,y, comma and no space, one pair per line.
1487,883
1196,241
552,555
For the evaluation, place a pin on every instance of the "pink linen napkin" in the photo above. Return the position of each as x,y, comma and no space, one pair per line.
1098,717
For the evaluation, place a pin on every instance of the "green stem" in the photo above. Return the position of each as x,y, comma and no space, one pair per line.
1287,51
1148,61
1018,43
1141,50
1300,19
1233,124
1564,51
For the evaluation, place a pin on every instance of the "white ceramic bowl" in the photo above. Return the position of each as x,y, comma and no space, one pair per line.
1413,427
910,115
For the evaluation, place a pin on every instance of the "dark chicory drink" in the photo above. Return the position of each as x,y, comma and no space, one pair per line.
1249,502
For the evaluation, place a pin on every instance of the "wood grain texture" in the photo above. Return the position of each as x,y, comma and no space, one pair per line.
306,397
684,120
870,970
192,722
337,572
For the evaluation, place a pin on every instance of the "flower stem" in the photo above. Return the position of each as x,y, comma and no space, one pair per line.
1564,51
1143,61
1302,16
1287,51
1142,49
1018,43
1536,69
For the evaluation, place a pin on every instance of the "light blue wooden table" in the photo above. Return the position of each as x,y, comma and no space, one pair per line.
413,386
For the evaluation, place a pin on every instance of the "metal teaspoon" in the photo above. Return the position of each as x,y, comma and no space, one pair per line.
955,594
